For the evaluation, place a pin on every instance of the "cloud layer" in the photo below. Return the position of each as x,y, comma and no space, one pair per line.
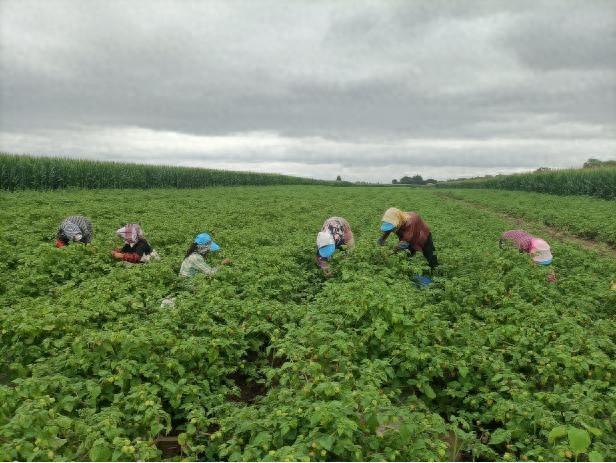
368,90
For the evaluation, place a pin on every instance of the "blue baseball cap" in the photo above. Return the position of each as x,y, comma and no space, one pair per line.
387,226
327,251
204,239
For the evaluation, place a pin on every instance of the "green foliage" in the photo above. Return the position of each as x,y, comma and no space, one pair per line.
588,218
594,163
599,182
578,441
53,173
269,360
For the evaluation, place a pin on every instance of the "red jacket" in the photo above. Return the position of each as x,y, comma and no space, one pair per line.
413,231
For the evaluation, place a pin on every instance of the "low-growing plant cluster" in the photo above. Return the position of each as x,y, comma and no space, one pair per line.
588,218
269,360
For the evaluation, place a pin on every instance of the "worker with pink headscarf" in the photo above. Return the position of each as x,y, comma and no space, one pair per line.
525,242
537,248
136,249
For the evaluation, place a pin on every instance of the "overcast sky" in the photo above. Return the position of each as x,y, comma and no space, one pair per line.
366,90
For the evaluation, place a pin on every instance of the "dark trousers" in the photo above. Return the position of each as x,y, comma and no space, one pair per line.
429,252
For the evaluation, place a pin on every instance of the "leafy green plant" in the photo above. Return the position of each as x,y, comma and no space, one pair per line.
269,360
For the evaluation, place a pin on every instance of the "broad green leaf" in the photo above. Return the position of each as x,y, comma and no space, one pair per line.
499,436
263,437
557,433
594,431
405,431
326,442
100,452
579,440
427,389
595,456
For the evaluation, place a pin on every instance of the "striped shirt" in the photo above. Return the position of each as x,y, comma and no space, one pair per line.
75,225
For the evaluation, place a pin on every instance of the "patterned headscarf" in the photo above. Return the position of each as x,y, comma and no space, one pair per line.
70,230
394,216
325,239
130,233
540,251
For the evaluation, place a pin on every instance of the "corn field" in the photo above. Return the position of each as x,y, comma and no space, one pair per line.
19,172
599,182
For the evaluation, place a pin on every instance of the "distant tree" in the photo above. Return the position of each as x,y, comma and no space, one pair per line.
592,162
543,169
394,181
430,180
414,180
597,163
339,178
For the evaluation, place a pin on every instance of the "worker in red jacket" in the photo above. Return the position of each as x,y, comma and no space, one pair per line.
136,249
413,233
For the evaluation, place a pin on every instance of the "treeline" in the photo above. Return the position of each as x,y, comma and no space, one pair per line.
19,172
414,180
598,181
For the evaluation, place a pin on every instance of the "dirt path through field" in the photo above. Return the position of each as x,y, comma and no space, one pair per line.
600,248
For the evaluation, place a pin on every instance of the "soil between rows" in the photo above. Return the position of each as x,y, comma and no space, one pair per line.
599,248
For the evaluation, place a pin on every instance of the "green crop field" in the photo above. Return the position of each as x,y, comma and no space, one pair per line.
599,182
269,360
18,172
588,218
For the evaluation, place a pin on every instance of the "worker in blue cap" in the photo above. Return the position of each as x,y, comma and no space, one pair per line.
335,234
194,262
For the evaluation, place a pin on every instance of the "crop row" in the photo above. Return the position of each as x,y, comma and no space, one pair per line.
598,182
588,218
270,361
53,173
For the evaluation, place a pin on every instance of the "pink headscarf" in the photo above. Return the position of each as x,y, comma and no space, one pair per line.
130,233
540,250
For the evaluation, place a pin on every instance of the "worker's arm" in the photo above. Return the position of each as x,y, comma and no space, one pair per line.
132,257
203,267
402,246
323,265
383,238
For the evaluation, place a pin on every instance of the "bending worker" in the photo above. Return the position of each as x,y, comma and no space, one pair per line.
75,228
525,242
413,233
335,234
136,249
195,262
537,248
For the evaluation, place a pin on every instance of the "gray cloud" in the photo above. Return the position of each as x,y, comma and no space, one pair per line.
341,86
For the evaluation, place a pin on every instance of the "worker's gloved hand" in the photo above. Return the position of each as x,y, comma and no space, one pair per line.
404,245
59,244
226,261
380,242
